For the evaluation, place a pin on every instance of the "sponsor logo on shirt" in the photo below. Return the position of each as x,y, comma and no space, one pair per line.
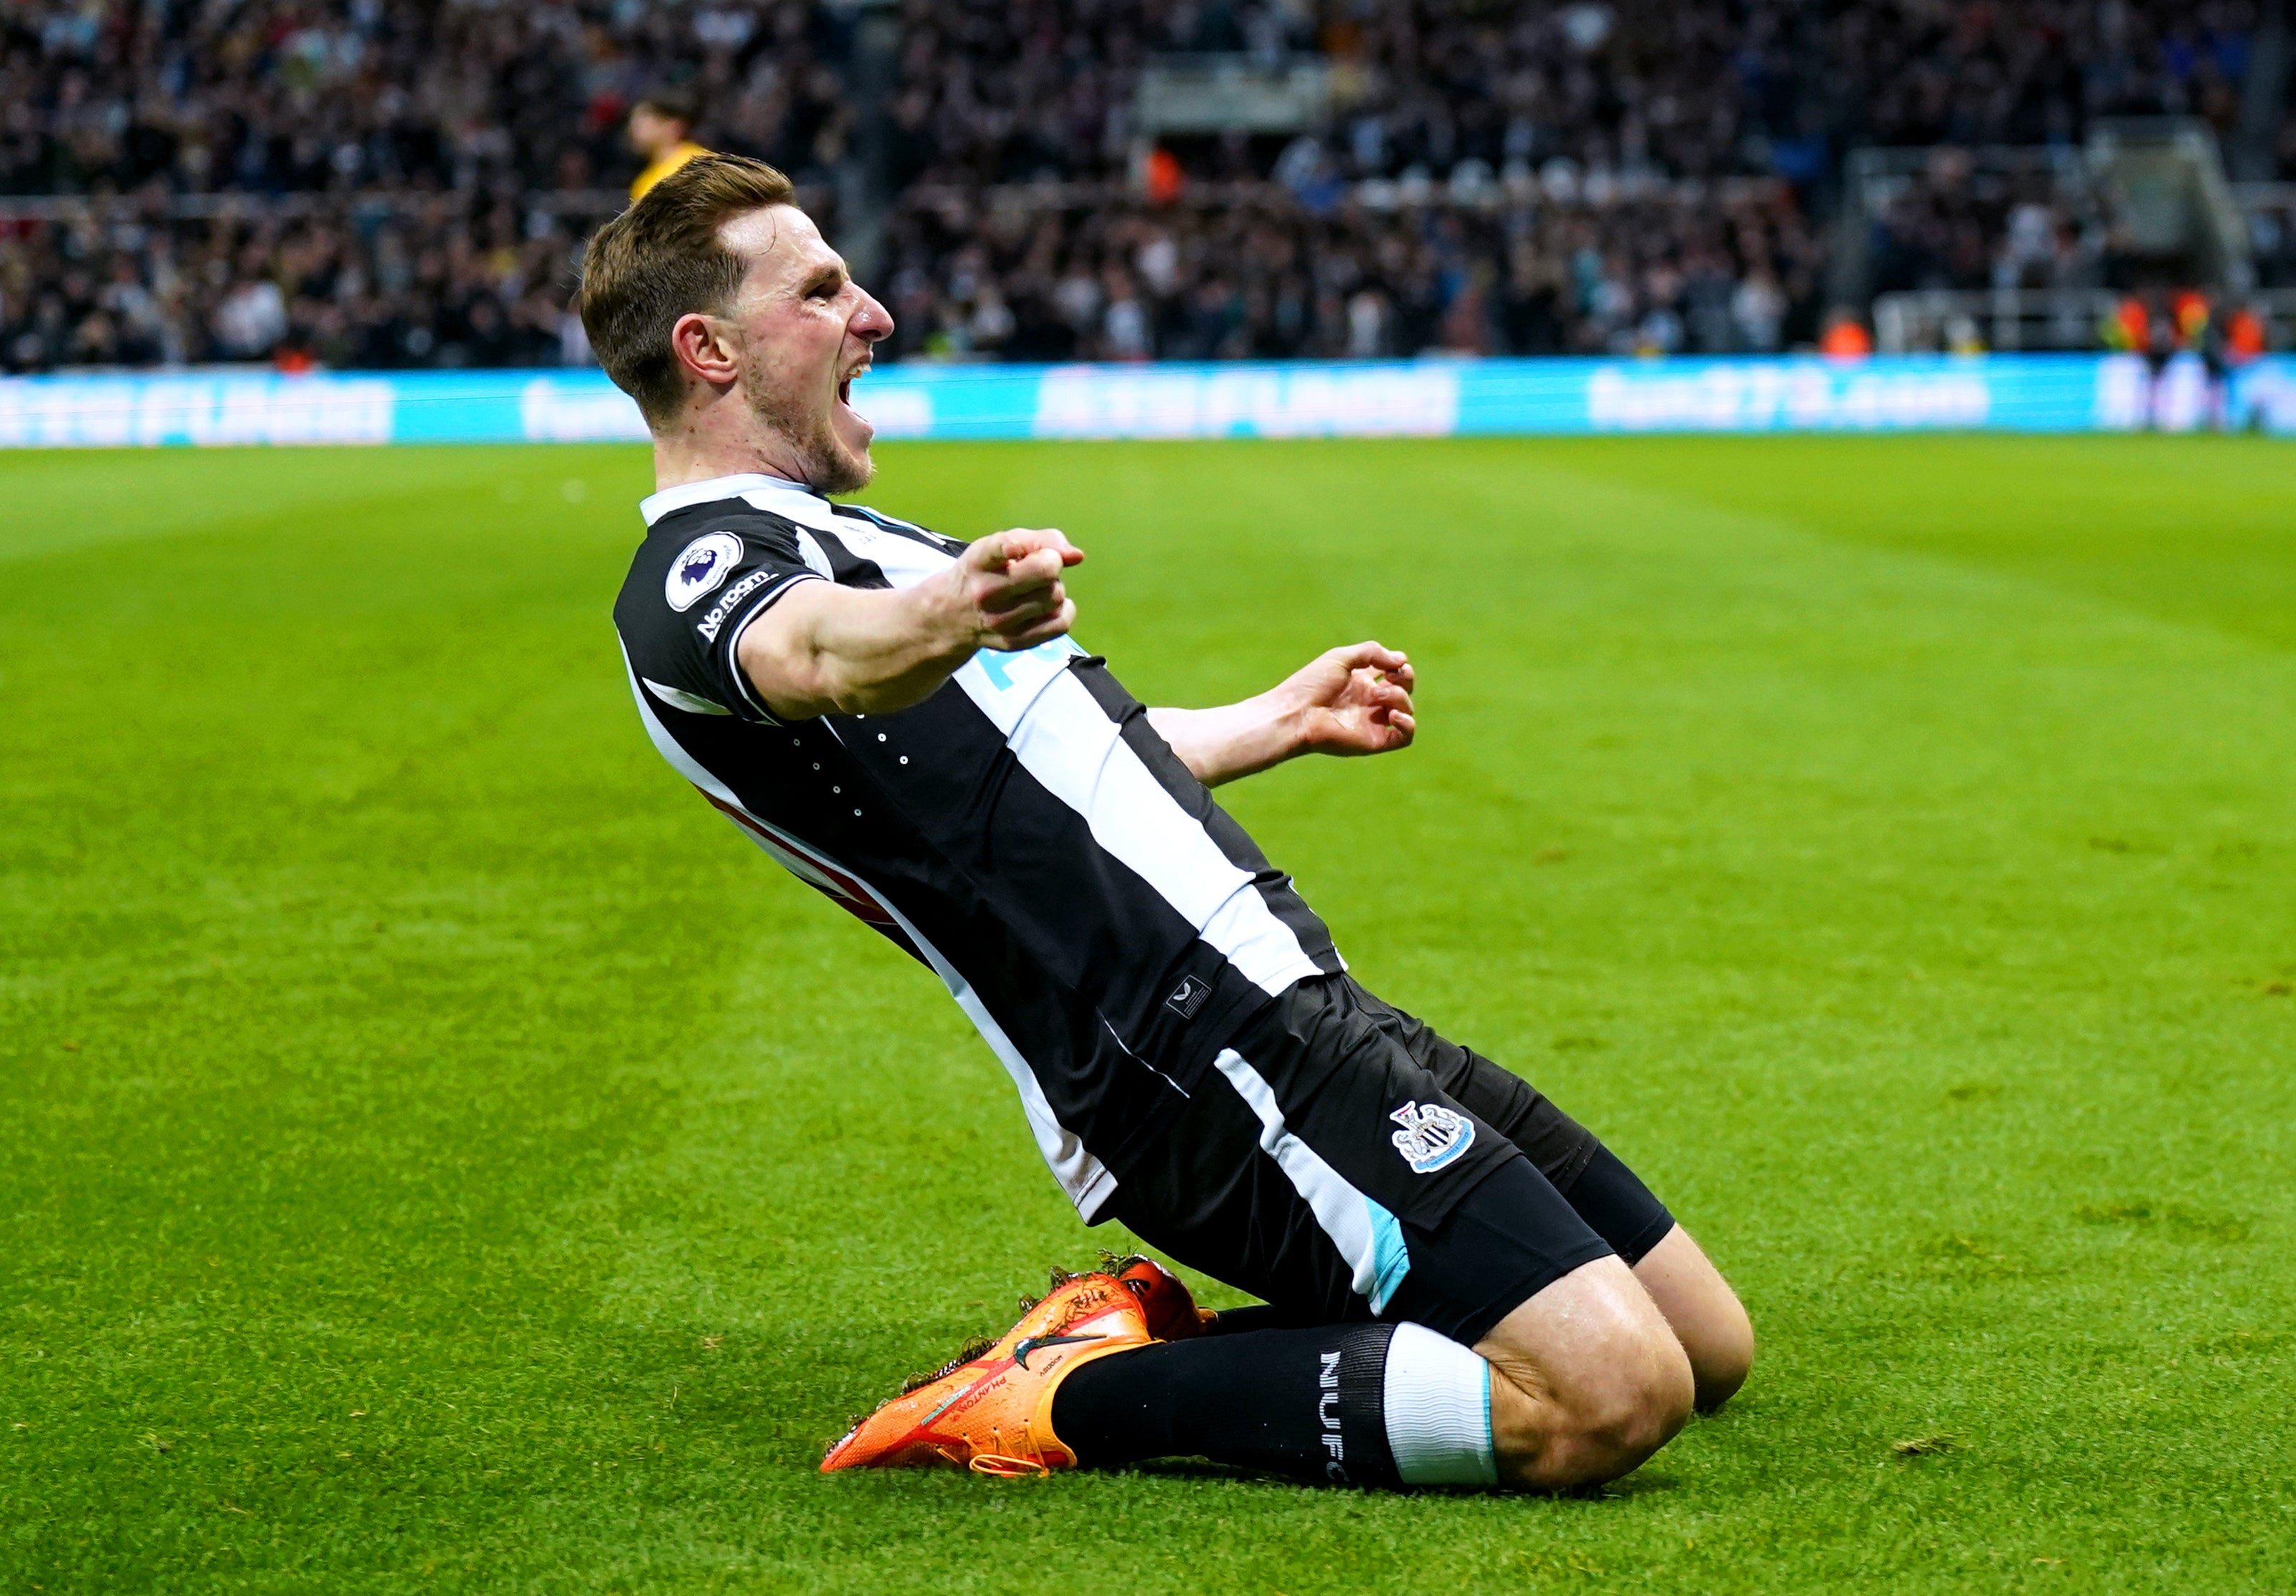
1432,1136
700,566
709,625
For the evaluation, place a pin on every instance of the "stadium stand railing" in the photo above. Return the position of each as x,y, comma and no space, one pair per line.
2011,320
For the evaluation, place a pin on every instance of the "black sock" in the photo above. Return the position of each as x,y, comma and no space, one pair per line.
1307,1402
1261,1316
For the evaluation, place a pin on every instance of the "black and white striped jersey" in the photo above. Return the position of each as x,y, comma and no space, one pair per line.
1024,830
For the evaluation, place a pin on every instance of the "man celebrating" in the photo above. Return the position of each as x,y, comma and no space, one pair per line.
1461,1285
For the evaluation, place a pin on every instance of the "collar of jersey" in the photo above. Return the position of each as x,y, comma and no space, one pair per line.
654,506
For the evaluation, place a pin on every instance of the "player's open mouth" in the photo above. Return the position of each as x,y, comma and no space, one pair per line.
845,396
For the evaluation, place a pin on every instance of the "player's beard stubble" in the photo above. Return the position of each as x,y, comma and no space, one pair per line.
830,464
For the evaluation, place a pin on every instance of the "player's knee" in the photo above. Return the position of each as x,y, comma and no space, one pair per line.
1612,1424
1600,1421
1721,1356
1706,1316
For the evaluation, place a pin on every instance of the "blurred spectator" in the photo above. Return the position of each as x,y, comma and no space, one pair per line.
2243,335
1845,337
2272,235
658,130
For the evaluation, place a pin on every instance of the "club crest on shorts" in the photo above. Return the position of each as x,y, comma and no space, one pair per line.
700,566
1432,1136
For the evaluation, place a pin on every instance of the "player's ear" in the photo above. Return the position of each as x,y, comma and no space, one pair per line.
702,345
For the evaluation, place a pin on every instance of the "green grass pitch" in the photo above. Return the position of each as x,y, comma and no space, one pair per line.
441,1154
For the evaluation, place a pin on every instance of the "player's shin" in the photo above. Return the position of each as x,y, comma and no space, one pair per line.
1366,1405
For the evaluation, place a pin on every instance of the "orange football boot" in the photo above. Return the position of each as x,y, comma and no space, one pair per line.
991,1410
1165,1300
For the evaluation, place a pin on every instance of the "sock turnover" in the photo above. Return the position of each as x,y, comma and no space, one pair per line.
1436,1395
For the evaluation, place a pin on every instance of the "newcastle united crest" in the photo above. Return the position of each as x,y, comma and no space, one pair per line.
1432,1136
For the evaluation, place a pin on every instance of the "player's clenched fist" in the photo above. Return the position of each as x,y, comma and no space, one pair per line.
1010,588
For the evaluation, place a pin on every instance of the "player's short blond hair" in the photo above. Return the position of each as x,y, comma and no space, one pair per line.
662,258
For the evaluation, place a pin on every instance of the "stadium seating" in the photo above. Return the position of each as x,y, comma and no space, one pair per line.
400,181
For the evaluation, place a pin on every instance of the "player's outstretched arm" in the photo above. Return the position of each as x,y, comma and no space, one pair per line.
854,650
1355,700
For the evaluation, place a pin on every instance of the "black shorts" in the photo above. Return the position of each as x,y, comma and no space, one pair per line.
1341,1161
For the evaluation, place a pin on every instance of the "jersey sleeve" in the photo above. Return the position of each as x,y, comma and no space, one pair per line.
691,595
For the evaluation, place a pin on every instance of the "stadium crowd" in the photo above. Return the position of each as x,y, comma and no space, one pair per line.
1690,88
372,162
1262,275
1953,226
437,282
1529,177
300,97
